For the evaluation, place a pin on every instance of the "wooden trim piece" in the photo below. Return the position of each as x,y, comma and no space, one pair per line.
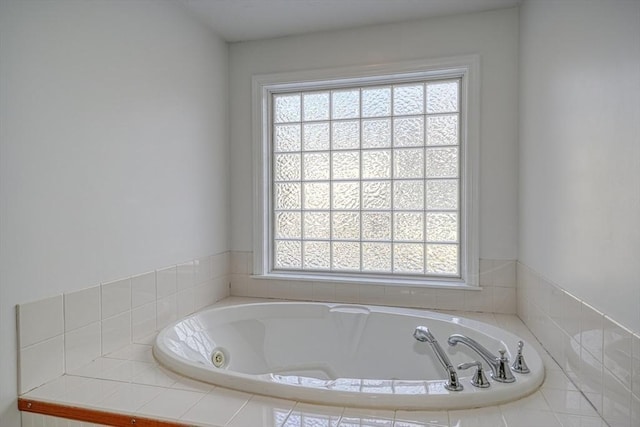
91,415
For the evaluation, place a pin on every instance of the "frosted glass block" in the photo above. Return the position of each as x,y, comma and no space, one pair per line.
316,225
316,195
376,257
315,106
346,195
408,226
442,194
376,226
442,97
408,258
288,225
376,195
442,162
408,132
287,196
408,163
316,166
376,133
288,254
408,99
317,255
287,167
376,102
346,256
442,130
376,164
287,137
346,135
442,259
408,195
346,225
286,108
315,136
442,227
346,104
346,165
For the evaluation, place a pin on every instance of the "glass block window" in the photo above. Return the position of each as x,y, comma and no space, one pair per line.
367,179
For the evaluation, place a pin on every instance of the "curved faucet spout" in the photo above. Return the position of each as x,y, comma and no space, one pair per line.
499,365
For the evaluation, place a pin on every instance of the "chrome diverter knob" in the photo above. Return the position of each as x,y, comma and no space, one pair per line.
519,365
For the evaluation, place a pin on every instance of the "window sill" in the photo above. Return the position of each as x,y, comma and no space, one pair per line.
453,284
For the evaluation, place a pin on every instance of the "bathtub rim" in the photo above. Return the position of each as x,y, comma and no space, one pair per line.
470,397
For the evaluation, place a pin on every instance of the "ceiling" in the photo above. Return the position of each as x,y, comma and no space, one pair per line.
241,20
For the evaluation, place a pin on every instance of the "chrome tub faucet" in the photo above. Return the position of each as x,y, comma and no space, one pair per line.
423,334
500,370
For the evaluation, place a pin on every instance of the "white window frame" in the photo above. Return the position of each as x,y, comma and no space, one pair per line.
467,68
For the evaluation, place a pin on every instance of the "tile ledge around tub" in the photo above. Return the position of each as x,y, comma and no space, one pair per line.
115,408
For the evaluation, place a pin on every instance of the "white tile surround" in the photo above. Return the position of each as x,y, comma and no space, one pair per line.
59,334
129,381
601,359
600,356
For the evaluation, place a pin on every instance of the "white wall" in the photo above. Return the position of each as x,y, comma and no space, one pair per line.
114,149
493,35
580,150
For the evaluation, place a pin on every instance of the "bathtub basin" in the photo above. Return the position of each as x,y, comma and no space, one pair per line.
338,354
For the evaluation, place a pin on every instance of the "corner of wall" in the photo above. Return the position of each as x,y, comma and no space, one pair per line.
63,333
599,355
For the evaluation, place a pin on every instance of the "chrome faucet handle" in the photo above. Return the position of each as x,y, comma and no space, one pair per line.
479,379
519,365
503,372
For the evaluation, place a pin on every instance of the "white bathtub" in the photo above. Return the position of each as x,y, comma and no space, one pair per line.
337,354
